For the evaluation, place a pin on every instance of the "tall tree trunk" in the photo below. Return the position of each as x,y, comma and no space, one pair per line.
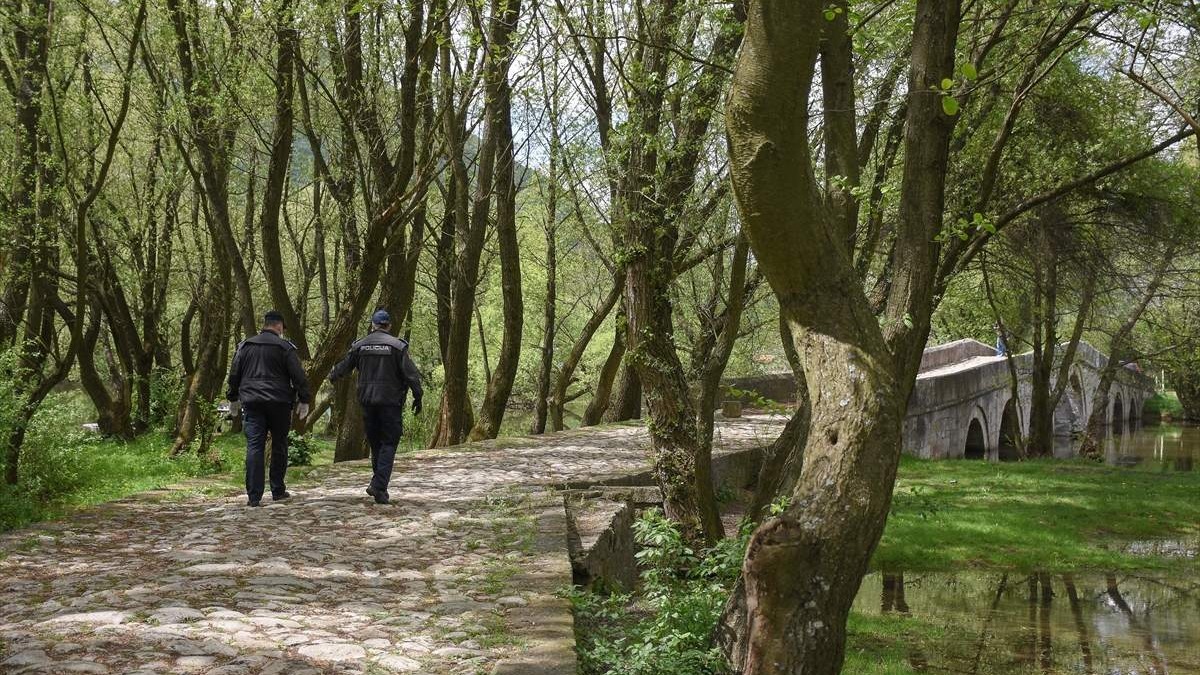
627,402
649,272
455,418
712,370
202,385
213,134
286,37
541,405
500,384
32,293
351,435
566,372
602,396
112,409
1052,371
1117,351
1045,350
803,566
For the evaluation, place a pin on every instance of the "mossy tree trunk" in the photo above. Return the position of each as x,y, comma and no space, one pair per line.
803,566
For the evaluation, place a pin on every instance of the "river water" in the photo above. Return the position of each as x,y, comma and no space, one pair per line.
1152,447
1095,624
1003,624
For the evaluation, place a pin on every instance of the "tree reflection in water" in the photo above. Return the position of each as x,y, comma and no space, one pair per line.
998,624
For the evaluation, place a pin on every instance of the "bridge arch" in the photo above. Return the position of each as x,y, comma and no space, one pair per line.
1008,439
975,445
956,378
1118,413
1080,392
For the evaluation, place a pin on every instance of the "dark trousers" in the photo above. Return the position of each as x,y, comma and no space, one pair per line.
257,420
383,426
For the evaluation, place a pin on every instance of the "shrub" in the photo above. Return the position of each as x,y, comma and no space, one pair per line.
667,628
1164,403
301,449
10,397
166,390
54,443
417,429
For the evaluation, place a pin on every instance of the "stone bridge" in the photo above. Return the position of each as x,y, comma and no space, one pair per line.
962,403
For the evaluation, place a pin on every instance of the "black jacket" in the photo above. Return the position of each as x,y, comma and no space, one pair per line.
385,372
266,369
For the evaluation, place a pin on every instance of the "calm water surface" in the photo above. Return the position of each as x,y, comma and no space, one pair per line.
1040,623
1156,448
1094,624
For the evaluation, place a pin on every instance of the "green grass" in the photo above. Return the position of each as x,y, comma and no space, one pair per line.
93,471
1050,515
884,645
1165,403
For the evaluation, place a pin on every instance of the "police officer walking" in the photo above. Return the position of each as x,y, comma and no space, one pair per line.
266,378
385,375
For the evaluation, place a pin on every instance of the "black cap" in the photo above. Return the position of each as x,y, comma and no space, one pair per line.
273,316
381,318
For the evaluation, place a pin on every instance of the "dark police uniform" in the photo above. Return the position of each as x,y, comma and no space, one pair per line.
385,376
267,378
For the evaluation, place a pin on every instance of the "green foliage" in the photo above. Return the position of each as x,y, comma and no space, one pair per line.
756,400
915,501
301,449
780,505
417,428
1164,403
666,628
166,390
54,445
949,103
963,229
64,467
10,398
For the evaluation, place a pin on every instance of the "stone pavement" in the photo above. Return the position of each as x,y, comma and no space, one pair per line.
458,575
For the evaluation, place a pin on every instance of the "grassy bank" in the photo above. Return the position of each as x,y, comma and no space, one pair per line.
1165,403
85,470
1046,516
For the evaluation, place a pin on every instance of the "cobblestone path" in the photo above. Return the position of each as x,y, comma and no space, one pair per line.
446,579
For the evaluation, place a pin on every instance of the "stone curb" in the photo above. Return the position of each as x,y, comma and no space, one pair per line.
546,623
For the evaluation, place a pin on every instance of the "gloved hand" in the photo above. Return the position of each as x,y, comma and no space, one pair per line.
235,409
302,411
416,406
